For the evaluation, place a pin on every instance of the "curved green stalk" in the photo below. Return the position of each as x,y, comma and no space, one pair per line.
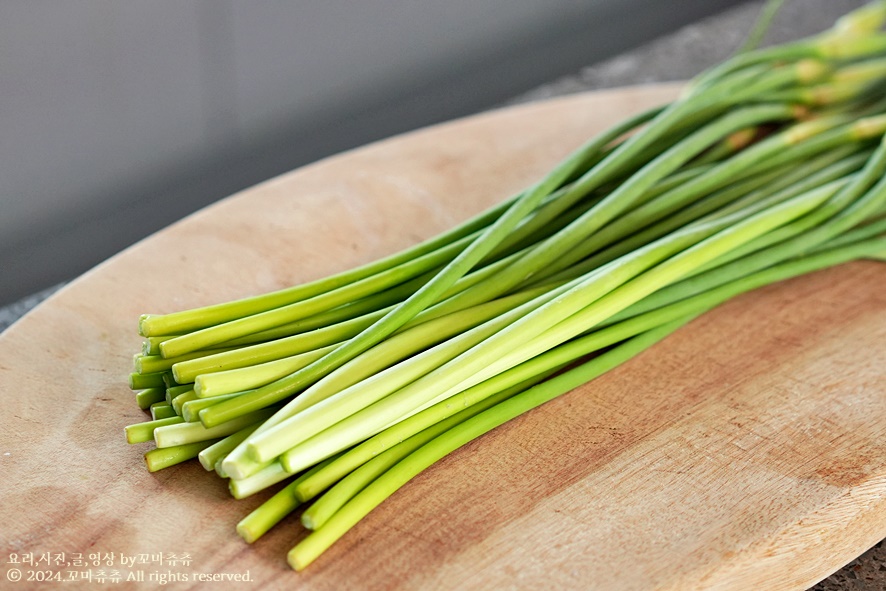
615,286
401,346
343,512
287,386
849,217
561,245
501,386
764,22
727,177
272,511
280,435
382,369
318,541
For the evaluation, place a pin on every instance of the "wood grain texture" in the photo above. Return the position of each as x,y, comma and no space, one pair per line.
746,451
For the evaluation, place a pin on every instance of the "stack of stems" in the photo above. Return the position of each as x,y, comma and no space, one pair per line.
769,166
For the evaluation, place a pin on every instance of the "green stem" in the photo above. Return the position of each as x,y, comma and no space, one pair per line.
268,476
272,511
190,409
149,396
616,286
162,410
481,247
214,335
374,491
139,381
287,427
255,374
420,341
141,432
318,541
561,245
211,455
180,433
199,318
670,211
159,458
495,224
804,242
764,22
380,451
780,182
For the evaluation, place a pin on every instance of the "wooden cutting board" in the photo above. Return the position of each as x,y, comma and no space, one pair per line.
746,451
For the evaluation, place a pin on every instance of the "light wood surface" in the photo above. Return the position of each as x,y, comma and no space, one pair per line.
746,451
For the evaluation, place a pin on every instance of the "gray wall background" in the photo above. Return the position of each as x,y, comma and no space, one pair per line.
119,117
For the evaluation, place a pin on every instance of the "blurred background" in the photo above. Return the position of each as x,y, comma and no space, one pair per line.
118,118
